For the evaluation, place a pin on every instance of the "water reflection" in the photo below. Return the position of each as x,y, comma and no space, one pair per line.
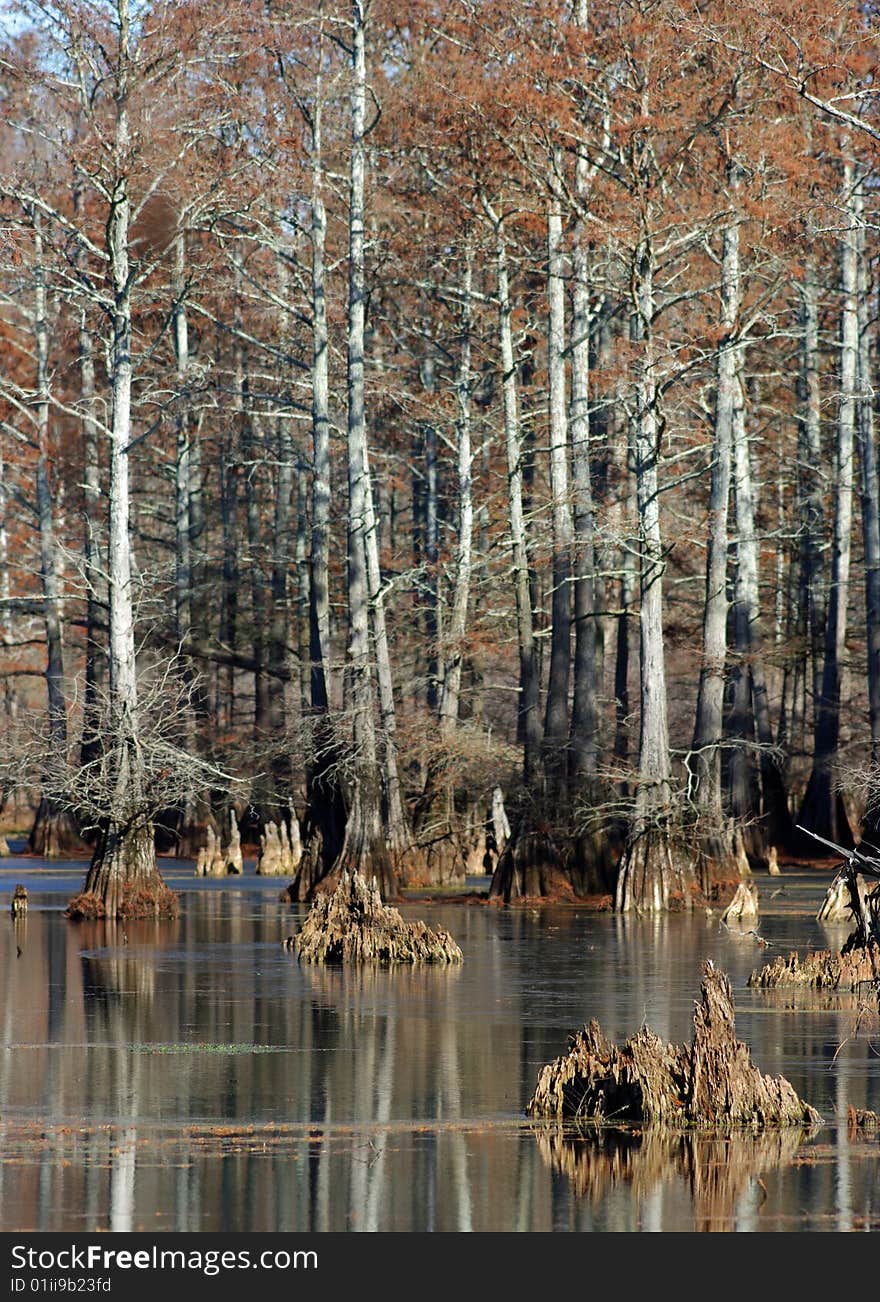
720,1173
191,1075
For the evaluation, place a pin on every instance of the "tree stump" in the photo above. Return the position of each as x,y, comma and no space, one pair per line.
352,925
4,846
851,969
862,1122
837,904
234,861
280,853
211,861
19,901
708,1084
743,908
500,825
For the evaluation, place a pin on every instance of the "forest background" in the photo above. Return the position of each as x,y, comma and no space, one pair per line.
406,404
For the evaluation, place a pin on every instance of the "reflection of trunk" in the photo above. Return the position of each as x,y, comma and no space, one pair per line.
822,809
652,874
53,832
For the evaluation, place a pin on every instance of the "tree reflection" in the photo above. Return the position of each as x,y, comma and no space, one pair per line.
722,1172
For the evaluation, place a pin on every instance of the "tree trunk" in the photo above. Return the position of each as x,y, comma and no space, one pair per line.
763,806
556,718
822,809
123,873
364,849
228,631
445,859
54,832
714,838
324,824
810,461
591,870
653,874
95,658
870,500
529,679
10,696
531,863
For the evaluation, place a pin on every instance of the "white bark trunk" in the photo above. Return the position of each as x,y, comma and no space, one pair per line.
529,683
455,641
556,716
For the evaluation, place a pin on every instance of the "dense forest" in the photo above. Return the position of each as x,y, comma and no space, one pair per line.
410,408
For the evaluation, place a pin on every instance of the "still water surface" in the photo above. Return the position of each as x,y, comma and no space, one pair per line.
192,1076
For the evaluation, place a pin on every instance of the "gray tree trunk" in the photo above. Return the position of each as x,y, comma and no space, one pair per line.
182,471
822,809
529,675
870,492
364,849
652,871
319,588
435,823
279,619
124,861
457,625
556,719
591,867
95,657
10,696
714,841
811,479
53,832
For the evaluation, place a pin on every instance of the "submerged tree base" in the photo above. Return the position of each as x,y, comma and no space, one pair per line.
352,925
135,902
851,969
710,1083
655,874
530,867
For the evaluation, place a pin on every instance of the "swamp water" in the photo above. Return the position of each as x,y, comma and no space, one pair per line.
193,1077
